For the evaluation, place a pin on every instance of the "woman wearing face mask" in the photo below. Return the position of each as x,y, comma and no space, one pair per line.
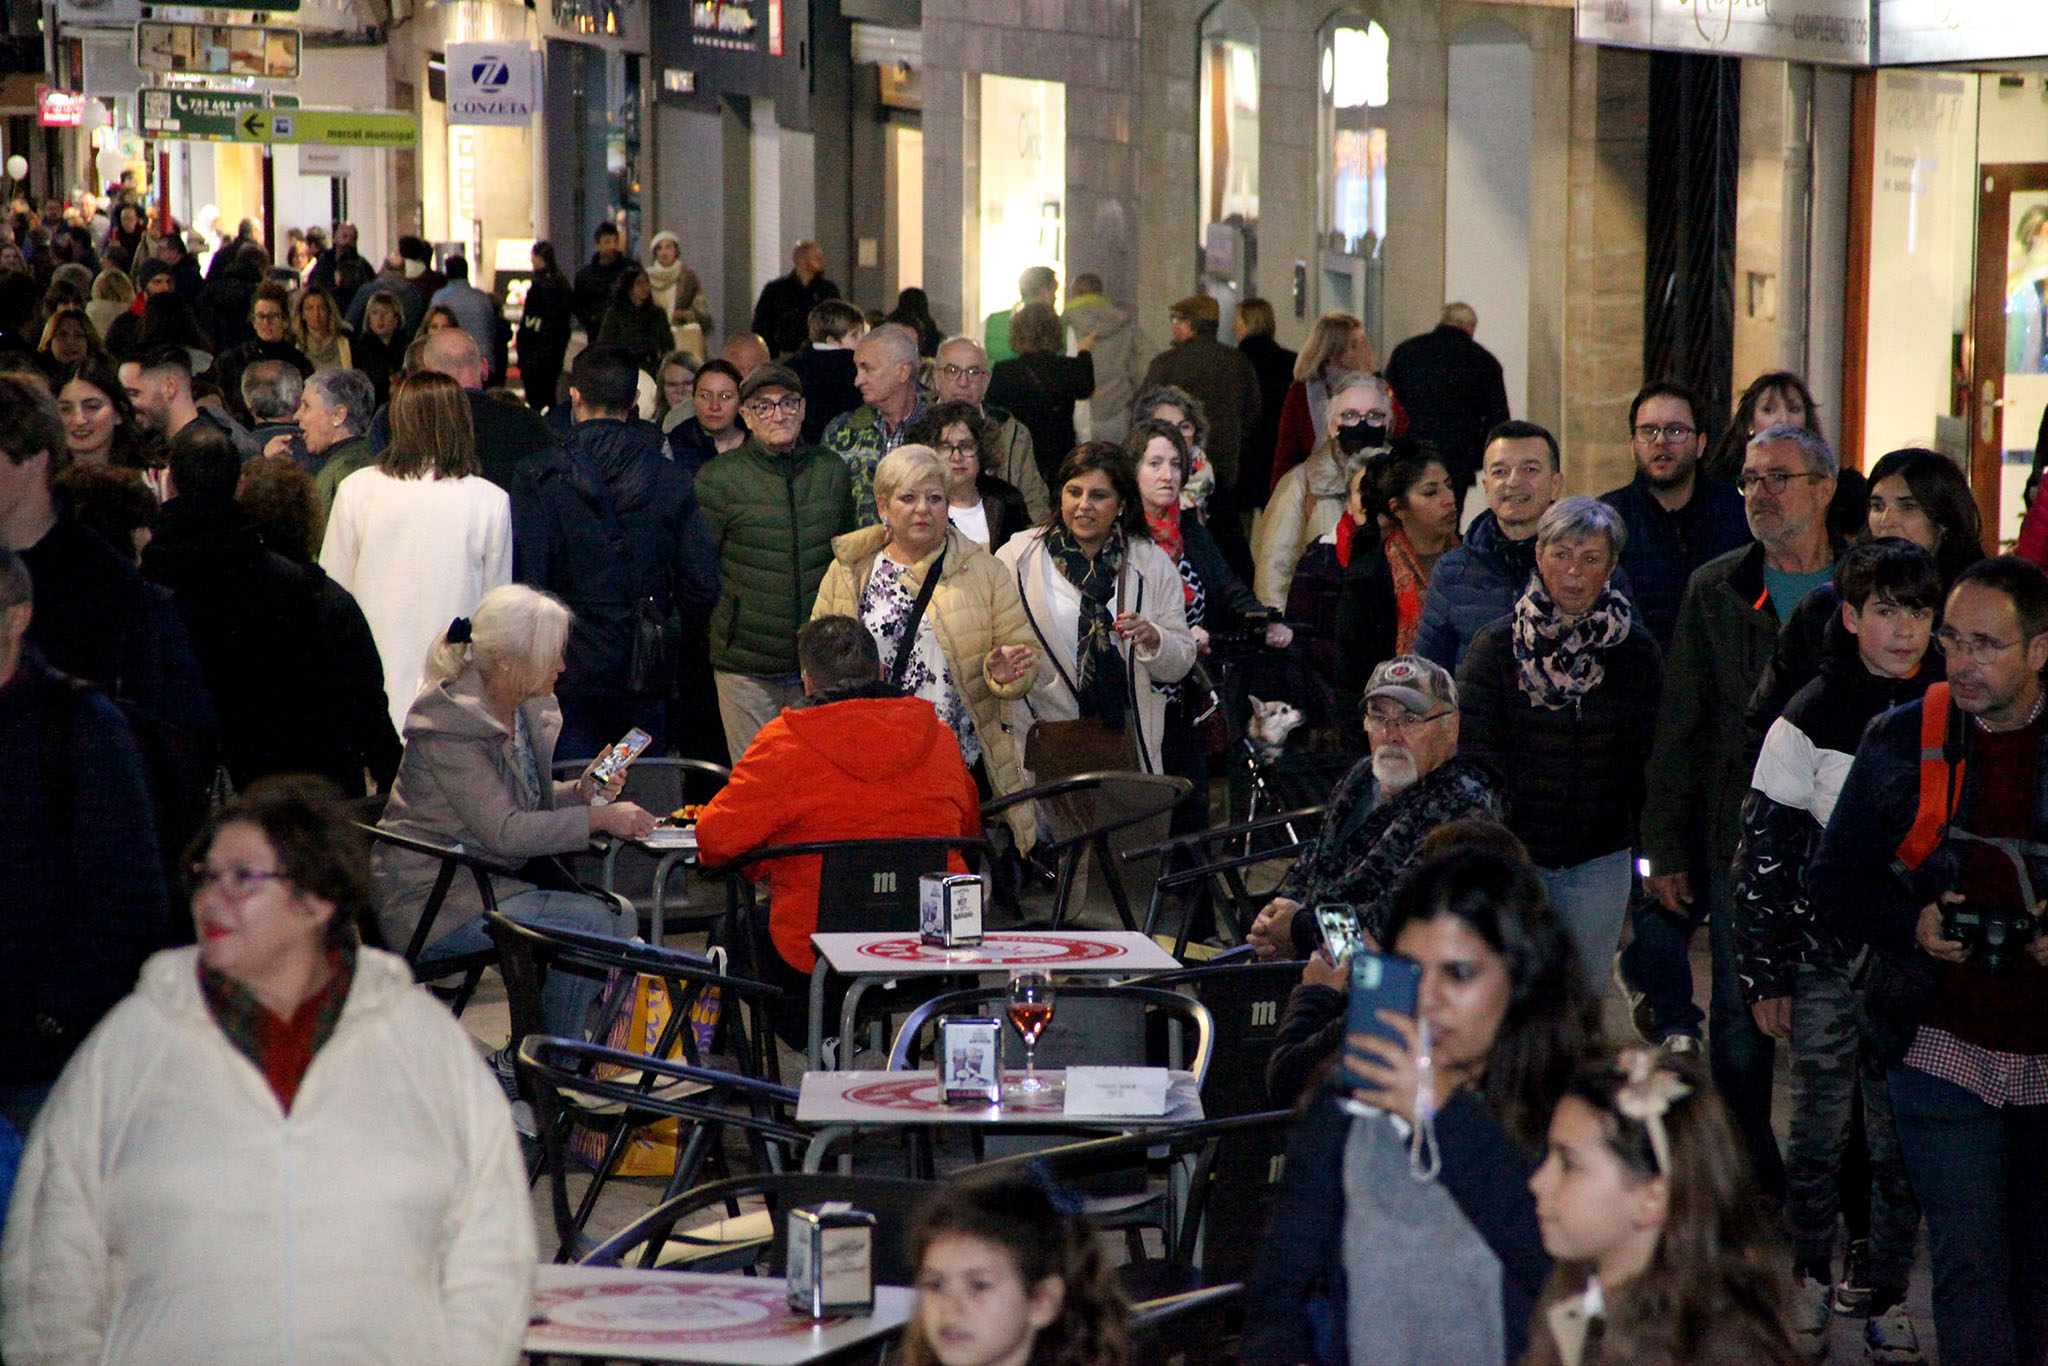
1560,698
1310,498
1916,494
1406,1234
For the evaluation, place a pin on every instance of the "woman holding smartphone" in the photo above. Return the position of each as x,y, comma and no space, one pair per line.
1406,1232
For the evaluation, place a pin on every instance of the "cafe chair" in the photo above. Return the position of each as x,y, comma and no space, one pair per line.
737,1237
1085,811
1205,871
659,785
1197,1328
574,1083
1247,1000
467,967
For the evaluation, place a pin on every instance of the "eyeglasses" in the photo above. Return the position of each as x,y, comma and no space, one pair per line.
965,448
1773,480
1976,649
1673,432
237,883
1351,415
1403,721
957,372
790,404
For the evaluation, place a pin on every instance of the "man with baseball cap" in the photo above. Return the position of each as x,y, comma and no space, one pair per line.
771,508
1220,377
1377,818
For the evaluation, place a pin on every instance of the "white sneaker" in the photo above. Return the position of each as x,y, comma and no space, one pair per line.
1890,1338
1808,1315
1681,1043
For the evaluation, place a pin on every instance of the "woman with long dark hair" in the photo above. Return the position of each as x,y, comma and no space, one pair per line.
1774,398
544,325
99,422
636,321
1401,518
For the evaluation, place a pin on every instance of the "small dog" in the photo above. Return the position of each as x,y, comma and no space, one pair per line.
1270,725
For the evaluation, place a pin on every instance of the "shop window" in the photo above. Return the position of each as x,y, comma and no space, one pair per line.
1228,170
1356,70
1023,183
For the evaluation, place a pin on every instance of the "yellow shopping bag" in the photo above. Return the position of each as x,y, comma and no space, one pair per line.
636,1028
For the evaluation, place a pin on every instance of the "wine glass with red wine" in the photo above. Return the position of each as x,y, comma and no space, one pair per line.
1030,1012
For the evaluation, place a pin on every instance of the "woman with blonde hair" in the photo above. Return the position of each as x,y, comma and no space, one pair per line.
1309,499
477,771
112,292
320,331
971,652
421,535
1336,345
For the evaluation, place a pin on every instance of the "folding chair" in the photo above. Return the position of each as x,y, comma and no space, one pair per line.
1246,1000
467,966
1097,805
1205,870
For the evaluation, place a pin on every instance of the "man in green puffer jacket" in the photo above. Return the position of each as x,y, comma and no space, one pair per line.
772,508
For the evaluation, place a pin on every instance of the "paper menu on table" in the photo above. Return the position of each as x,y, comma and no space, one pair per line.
1117,1090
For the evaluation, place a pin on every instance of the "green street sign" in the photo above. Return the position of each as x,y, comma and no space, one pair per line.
331,127
197,115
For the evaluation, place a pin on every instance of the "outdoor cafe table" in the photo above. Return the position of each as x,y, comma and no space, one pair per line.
606,1313
873,957
668,845
841,1103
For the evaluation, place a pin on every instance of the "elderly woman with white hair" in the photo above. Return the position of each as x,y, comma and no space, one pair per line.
1308,499
478,772
1560,698
945,616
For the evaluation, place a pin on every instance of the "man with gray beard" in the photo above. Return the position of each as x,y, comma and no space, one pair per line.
1381,811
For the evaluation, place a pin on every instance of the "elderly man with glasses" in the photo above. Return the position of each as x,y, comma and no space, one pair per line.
771,508
960,374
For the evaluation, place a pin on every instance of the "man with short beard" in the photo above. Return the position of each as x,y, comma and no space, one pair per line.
1677,516
1372,833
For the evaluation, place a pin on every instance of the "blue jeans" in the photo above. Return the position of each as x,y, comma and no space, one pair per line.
1591,898
566,998
1981,1175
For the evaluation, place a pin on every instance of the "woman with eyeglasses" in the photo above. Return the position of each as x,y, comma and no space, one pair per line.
988,510
277,1148
1560,699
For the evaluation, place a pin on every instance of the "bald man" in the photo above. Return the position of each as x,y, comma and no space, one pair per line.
885,371
746,352
505,434
782,315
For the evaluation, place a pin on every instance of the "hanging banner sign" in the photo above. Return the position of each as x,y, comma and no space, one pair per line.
495,84
217,50
1833,31
59,108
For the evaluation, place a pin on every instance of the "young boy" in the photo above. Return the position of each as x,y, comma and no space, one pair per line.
1797,973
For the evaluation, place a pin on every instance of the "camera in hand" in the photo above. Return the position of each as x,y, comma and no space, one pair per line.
1993,934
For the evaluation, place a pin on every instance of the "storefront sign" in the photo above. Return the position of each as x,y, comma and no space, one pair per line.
1959,30
59,108
493,83
1838,32
218,50
335,127
199,115
327,161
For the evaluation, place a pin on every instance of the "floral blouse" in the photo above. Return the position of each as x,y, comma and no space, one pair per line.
885,605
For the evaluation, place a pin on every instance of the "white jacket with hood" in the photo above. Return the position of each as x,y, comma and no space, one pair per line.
168,1210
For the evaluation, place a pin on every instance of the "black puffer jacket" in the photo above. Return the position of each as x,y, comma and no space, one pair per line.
1574,776
604,547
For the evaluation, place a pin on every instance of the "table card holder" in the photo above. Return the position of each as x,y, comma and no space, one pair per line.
1098,1091
949,909
831,1261
970,1059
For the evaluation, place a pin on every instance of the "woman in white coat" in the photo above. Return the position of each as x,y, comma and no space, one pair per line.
1308,499
419,537
278,1148
1109,610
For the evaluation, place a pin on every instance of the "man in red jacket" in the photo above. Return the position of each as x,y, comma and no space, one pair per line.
858,760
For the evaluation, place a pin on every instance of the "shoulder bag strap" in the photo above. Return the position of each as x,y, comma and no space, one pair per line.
909,641
1051,654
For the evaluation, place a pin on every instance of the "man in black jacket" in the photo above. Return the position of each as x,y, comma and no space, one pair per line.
782,313
608,524
84,898
592,291
826,365
1452,389
506,434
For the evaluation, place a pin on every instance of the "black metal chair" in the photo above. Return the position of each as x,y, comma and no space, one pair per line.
1247,1001
576,1083
758,1240
660,785
469,967
1205,871
1130,799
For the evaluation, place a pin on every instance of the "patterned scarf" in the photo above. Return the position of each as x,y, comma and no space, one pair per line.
1558,661
1411,586
281,1049
1166,534
1098,659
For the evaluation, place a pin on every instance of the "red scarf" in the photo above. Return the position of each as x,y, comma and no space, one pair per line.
1165,529
1411,584
1347,531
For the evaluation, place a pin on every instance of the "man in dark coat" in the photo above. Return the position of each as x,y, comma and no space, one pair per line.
606,522
1220,377
230,293
1274,365
1452,390
826,365
84,899
270,320
592,291
505,434
782,313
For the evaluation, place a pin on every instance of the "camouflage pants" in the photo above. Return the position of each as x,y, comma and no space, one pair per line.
1830,1063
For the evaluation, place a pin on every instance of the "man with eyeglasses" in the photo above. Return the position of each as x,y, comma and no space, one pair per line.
1677,517
885,372
1700,767
825,366
84,900
771,508
1412,782
1943,820
960,374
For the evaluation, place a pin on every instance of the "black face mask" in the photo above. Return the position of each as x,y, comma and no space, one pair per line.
1365,435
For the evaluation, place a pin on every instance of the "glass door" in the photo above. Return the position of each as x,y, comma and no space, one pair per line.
2009,370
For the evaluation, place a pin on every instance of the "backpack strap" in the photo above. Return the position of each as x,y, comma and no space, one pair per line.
1941,777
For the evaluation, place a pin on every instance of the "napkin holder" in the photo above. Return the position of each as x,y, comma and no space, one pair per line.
949,909
831,1261
970,1059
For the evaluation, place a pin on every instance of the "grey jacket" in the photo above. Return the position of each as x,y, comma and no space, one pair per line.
1020,466
461,782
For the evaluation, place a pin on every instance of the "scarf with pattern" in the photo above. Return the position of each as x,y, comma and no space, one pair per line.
1099,680
1166,534
1557,661
1411,586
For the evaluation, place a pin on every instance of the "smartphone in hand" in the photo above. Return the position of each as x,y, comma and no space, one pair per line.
1381,981
616,758
1337,923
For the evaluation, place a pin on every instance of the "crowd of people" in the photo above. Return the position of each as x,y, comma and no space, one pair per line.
262,521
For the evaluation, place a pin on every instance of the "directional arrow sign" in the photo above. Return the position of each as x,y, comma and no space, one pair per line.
332,127
202,115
